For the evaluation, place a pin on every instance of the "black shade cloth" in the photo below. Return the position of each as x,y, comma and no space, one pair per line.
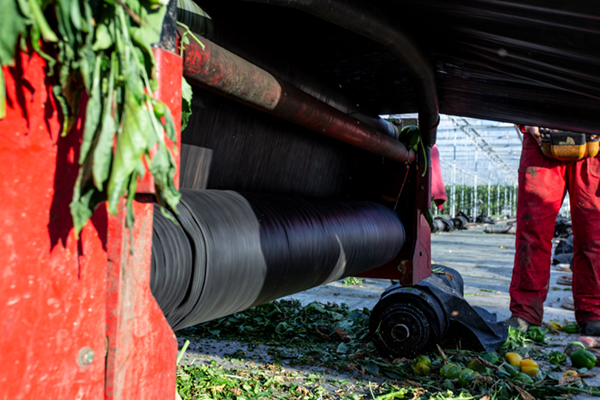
248,249
524,61
563,254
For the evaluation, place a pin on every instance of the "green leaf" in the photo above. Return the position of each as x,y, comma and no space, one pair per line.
342,348
88,22
64,108
371,368
424,158
85,197
410,136
38,16
148,32
12,24
428,217
35,43
64,21
87,55
104,38
103,149
2,94
152,21
92,114
131,144
133,180
186,102
163,167
168,125
282,327
75,13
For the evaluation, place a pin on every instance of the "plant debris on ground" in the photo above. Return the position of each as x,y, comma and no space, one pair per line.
335,338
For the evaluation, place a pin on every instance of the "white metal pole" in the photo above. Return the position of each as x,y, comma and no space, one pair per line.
510,193
505,199
462,193
453,212
489,188
514,202
475,213
475,195
498,197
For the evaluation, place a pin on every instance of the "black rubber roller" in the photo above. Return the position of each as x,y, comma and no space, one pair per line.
230,251
407,321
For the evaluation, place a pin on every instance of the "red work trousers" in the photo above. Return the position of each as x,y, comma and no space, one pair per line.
543,183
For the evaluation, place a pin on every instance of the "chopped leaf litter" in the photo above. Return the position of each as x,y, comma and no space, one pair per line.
334,339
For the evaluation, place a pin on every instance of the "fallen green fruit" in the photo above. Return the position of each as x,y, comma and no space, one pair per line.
557,358
523,379
451,371
536,334
491,357
572,328
421,365
581,358
466,376
511,369
477,366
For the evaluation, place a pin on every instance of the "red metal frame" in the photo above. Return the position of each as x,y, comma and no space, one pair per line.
413,264
77,317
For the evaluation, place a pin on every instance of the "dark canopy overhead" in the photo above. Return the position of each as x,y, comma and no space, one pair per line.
525,61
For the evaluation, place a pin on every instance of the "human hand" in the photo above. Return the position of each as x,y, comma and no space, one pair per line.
535,132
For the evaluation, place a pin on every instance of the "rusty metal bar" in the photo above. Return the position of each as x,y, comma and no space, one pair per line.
363,19
216,69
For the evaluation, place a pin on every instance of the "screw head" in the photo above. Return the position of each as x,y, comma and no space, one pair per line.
86,356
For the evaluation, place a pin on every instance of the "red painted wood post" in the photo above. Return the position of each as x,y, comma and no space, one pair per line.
52,286
142,348
58,310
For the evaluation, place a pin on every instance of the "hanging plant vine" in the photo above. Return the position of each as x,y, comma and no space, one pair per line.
411,137
101,48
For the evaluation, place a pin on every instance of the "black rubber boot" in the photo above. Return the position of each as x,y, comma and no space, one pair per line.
516,322
592,328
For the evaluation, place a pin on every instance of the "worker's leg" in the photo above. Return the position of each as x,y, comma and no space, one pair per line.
584,190
542,187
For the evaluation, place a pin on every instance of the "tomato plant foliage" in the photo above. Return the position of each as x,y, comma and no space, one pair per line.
101,48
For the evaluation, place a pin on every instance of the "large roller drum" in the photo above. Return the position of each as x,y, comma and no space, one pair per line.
247,249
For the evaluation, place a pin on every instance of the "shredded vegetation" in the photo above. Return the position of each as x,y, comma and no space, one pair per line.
99,58
352,281
335,338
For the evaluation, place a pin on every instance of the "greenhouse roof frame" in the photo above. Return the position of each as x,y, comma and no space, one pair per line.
484,152
476,151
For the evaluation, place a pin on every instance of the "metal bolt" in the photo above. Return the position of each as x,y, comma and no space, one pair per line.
400,332
86,356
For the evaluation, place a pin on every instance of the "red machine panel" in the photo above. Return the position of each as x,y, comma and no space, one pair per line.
142,348
77,317
52,286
